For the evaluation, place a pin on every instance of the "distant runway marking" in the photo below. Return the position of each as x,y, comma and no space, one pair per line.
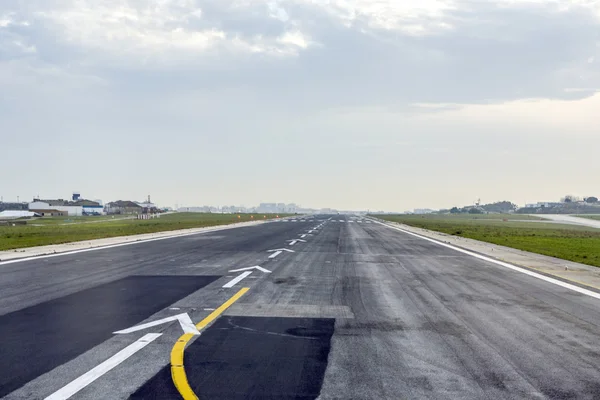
95,373
177,368
501,263
237,279
275,254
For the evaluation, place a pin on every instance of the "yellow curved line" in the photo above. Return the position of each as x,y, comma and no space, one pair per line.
178,371
177,368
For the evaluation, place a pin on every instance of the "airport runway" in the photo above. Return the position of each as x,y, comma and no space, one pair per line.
350,309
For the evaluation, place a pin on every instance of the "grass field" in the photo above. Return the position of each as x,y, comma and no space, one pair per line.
588,216
497,217
569,242
59,230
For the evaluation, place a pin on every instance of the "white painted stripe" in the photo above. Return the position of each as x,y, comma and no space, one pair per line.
275,254
235,280
502,263
96,372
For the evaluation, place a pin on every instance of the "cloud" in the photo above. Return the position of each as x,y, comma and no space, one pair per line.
165,33
311,55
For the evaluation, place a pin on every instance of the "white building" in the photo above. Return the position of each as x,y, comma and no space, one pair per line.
72,208
543,204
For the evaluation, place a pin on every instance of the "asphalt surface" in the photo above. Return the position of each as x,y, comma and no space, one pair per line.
357,311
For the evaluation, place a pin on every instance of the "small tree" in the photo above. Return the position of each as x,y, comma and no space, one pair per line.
591,200
454,210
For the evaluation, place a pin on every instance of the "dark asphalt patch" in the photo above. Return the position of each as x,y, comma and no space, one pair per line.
252,358
37,339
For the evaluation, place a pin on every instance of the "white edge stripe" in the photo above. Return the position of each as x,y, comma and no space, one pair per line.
235,280
96,372
502,263
110,246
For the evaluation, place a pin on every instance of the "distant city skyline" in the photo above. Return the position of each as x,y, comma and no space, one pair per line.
286,207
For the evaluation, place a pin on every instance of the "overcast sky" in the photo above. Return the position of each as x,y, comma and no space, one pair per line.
364,104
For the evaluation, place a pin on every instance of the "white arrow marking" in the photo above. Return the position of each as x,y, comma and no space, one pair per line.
304,235
75,386
184,320
294,241
235,280
288,250
266,271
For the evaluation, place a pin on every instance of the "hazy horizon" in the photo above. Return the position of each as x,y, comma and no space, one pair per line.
380,105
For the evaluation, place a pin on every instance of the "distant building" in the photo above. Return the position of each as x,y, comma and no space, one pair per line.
91,207
123,207
424,211
267,208
72,208
204,209
148,208
543,204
